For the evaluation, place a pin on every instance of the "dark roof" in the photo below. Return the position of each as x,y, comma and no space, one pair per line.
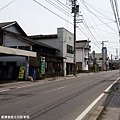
28,40
53,56
79,41
43,36
82,44
7,24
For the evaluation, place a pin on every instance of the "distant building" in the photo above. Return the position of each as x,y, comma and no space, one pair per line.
98,59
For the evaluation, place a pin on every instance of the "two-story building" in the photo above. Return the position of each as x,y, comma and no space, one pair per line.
82,55
13,36
64,42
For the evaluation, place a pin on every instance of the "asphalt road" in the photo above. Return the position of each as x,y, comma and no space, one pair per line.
56,100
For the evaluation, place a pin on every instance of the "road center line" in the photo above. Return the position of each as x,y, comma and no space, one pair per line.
4,90
82,115
55,89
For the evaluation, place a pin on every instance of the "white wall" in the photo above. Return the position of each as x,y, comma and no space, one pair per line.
68,38
64,37
81,54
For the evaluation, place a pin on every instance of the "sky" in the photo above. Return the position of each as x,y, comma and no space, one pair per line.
95,20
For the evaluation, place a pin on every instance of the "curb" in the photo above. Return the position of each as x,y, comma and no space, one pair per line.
98,113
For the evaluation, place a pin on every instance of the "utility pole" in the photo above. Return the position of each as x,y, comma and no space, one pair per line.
119,47
94,62
104,53
75,10
111,62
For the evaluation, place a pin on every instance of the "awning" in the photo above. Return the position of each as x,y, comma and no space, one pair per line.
17,52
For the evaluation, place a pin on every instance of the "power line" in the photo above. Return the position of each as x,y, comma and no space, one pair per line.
96,8
92,35
88,21
105,17
59,8
7,5
52,12
101,20
114,6
89,31
93,19
58,16
60,3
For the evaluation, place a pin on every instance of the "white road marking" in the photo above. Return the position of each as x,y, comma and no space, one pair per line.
55,89
111,85
82,115
4,90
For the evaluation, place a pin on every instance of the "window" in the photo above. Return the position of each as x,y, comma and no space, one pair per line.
13,46
24,47
69,49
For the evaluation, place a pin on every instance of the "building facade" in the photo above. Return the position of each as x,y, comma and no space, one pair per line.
82,55
98,57
13,36
63,41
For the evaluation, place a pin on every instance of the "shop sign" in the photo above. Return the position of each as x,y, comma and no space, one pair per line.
21,72
42,65
104,50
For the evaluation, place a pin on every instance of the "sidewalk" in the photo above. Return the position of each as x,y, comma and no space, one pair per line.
15,84
112,111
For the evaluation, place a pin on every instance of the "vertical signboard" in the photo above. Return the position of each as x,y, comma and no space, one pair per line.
21,72
104,50
42,65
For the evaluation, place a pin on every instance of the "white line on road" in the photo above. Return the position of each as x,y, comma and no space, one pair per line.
82,115
4,90
55,89
111,85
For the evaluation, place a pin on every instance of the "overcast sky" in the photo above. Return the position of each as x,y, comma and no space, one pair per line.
97,24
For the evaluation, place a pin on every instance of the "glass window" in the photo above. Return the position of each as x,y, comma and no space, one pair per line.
24,47
69,49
